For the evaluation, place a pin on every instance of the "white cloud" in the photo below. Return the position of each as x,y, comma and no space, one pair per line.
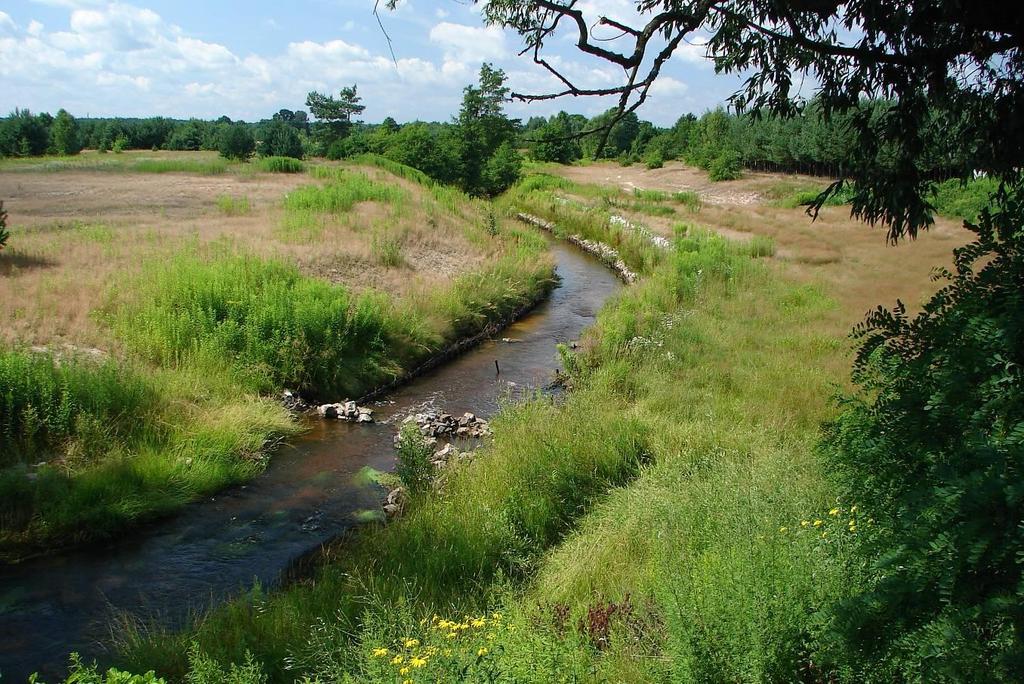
35,28
7,24
469,44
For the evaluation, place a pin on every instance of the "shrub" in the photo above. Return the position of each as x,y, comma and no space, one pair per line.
236,142
281,165
413,465
654,160
932,446
120,144
726,166
964,200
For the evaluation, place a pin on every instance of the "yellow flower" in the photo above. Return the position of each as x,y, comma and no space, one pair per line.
380,652
479,622
452,635
853,509
412,643
804,523
404,671
397,660
834,511
496,616
818,523
782,530
824,534
418,662
853,528
482,652
407,681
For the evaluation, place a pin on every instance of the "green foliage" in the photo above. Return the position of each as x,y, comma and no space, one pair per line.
654,159
501,170
964,200
726,166
84,673
236,142
281,165
44,402
64,134
413,456
271,326
336,115
691,200
120,144
278,139
554,142
762,246
23,134
933,445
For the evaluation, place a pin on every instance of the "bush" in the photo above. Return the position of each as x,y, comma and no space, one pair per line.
281,165
120,144
413,466
236,142
932,446
726,166
501,170
64,134
655,160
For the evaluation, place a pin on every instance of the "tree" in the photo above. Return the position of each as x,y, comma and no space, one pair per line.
64,134
336,115
24,135
278,139
933,441
236,142
555,141
483,129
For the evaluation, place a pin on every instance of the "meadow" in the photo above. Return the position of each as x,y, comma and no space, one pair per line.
670,520
149,331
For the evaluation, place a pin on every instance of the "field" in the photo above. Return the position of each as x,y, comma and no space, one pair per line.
153,305
670,521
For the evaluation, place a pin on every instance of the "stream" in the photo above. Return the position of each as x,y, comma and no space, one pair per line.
311,492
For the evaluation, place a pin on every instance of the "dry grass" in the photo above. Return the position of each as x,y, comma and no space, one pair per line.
76,233
849,259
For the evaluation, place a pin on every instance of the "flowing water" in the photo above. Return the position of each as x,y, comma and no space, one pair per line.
311,493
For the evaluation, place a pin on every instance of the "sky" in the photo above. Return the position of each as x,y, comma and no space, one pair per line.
247,60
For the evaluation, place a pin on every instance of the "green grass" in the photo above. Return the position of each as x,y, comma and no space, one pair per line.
395,168
344,190
677,473
234,206
280,165
386,249
211,167
689,199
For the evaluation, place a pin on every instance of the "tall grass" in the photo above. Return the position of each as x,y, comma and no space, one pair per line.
965,201
45,402
280,165
345,190
273,326
234,206
211,167
395,169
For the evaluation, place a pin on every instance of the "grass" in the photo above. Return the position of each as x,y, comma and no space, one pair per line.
647,527
234,206
345,190
212,167
280,165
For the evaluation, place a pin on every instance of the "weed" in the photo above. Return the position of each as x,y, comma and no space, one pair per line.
234,206
281,165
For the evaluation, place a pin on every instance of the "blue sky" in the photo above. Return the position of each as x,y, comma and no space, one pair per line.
247,60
